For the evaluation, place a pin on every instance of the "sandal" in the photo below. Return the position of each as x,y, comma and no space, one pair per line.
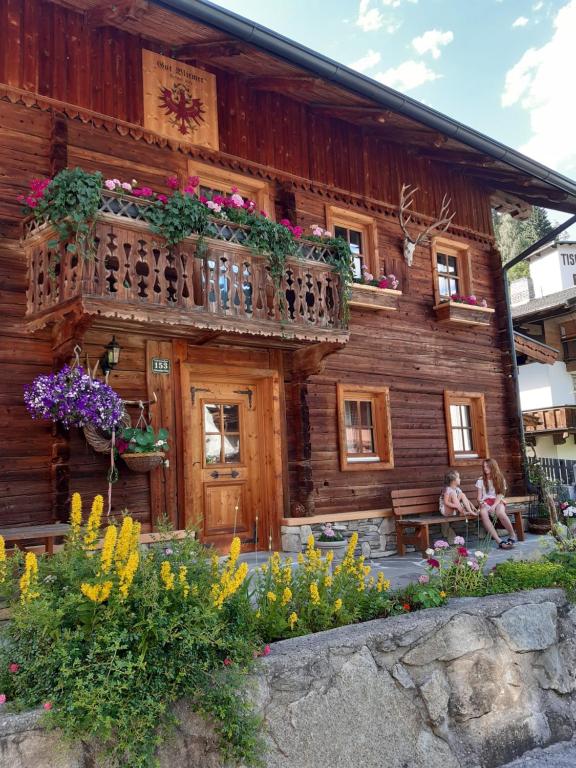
505,545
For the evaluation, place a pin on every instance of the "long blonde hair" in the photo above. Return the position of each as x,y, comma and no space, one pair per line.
495,475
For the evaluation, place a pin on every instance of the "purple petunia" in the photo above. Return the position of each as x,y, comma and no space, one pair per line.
74,399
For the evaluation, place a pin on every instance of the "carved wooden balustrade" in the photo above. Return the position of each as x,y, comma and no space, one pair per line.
221,285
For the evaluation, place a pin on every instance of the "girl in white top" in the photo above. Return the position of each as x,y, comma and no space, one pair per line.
491,491
453,501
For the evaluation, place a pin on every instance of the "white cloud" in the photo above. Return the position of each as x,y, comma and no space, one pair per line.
369,19
538,6
521,21
410,74
367,62
431,41
536,84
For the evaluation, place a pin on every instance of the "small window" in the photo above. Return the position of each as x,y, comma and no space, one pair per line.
359,231
466,426
574,279
220,181
364,425
451,264
354,239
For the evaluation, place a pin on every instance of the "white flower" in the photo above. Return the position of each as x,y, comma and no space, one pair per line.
110,184
213,206
479,554
127,186
429,552
237,200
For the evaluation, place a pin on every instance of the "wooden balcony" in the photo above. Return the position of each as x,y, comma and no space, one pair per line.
550,420
222,287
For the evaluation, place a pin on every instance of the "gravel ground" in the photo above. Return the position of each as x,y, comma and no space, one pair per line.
557,756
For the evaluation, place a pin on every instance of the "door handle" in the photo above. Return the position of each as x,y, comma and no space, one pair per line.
217,474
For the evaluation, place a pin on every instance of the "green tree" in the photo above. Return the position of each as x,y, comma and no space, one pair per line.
514,236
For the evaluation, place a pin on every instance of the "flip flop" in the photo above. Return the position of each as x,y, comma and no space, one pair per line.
505,545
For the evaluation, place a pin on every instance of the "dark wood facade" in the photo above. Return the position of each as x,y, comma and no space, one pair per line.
71,95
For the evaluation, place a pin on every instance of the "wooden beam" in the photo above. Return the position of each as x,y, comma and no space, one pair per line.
117,12
211,49
270,83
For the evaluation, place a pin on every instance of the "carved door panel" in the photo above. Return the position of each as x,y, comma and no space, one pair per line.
224,461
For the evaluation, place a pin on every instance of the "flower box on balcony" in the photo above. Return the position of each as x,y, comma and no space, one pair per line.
372,297
458,313
133,275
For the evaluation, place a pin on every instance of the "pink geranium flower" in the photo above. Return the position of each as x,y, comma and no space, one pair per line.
2,698
441,544
267,650
459,541
227,662
47,706
13,668
172,182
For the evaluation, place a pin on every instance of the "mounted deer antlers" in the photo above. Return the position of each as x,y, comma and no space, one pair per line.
441,224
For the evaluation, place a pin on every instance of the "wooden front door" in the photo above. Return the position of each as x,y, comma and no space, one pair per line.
226,459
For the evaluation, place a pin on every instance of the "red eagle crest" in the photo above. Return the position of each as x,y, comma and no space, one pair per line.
183,110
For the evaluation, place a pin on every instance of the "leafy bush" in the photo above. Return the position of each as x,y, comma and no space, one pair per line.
179,217
318,595
517,575
455,569
136,440
108,640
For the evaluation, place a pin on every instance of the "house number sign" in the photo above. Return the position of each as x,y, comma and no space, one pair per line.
160,365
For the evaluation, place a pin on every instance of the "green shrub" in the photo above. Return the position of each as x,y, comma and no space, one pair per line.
108,640
517,575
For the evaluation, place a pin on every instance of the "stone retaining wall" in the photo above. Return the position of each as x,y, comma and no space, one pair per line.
470,685
376,535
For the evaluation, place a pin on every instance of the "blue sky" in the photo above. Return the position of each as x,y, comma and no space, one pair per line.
504,67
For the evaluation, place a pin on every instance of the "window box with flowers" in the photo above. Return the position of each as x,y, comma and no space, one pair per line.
463,310
377,294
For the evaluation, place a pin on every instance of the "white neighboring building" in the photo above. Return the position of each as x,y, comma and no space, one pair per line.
544,316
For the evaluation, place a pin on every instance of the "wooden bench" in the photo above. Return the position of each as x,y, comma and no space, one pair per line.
47,533
417,508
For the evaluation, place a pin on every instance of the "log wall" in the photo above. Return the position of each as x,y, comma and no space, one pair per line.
323,160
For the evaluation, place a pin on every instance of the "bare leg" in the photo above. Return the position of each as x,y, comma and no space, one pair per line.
505,520
487,523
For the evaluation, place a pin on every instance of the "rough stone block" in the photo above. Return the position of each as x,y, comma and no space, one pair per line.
435,691
463,634
305,532
291,542
530,627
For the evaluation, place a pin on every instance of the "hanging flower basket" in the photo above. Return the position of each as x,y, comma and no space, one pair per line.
101,441
143,462
73,398
141,448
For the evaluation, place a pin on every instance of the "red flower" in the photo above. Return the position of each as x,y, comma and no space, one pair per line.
463,551
172,182
192,182
162,198
14,668
406,606
267,650
286,223
433,563
47,706
227,662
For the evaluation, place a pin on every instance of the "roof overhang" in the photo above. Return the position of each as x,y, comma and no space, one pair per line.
509,173
534,350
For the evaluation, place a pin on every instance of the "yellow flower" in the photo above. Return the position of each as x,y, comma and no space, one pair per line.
328,581
382,585
286,596
258,614
93,525
215,562
29,579
128,572
310,541
300,558
287,574
314,594
108,548
292,619
338,605
136,528
166,575
366,570
443,595
234,550
75,516
329,556
97,593
371,582
125,541
230,582
271,597
337,570
182,574
3,564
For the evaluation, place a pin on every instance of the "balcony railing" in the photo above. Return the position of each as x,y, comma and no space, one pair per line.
558,419
223,286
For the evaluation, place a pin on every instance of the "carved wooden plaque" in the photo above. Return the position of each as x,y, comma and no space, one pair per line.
179,100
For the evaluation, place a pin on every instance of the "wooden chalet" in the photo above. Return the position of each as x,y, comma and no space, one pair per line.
275,410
